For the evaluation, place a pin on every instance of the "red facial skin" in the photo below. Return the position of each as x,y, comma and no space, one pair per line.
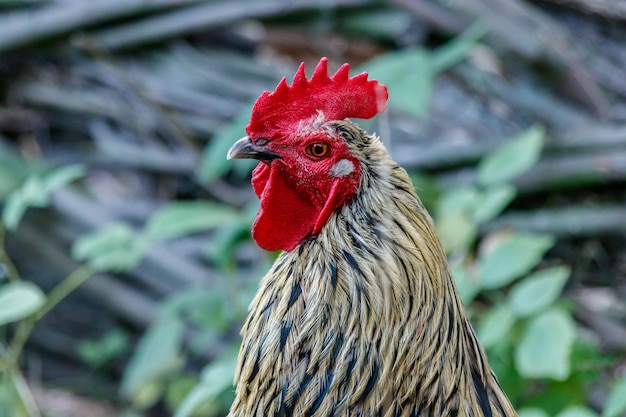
298,193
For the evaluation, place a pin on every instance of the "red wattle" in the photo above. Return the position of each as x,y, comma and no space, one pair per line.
290,213
285,216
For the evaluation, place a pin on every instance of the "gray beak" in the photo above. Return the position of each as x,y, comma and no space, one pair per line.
244,148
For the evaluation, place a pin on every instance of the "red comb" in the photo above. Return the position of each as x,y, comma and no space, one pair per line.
338,97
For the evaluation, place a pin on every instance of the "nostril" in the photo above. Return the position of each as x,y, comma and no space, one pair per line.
261,142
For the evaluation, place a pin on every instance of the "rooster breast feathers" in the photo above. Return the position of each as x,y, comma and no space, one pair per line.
363,318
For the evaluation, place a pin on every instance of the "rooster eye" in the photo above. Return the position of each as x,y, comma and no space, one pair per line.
318,149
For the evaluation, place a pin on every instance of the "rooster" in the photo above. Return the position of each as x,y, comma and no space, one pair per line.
359,315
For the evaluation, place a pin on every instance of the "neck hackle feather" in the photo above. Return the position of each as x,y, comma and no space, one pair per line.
363,318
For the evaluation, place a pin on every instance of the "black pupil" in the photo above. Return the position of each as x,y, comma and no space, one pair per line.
318,149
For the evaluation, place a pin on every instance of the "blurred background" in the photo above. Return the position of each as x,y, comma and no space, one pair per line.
126,264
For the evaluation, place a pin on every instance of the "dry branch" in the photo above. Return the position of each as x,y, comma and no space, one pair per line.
612,9
566,222
575,171
539,104
433,13
535,35
558,172
24,27
202,17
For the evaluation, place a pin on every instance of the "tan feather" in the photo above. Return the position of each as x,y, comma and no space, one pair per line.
364,319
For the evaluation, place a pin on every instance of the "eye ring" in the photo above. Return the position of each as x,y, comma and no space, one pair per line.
318,149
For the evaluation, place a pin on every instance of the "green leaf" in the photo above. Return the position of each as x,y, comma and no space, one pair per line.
220,372
493,201
216,377
388,23
214,163
178,388
512,158
457,49
408,77
546,345
30,194
107,239
453,220
538,291
468,288
426,188
148,394
409,73
130,413
185,217
616,403
512,256
36,191
205,307
19,300
157,353
119,259
14,210
495,325
556,396
221,251
12,173
113,248
61,177
11,404
577,411
531,412
98,352
199,395
458,200
456,231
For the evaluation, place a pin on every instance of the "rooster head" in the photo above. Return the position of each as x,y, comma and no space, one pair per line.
307,167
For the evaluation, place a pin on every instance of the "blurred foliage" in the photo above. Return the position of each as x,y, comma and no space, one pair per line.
36,191
514,296
21,301
616,403
97,353
118,247
522,321
409,73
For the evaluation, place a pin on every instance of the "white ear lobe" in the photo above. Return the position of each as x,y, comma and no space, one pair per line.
341,168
